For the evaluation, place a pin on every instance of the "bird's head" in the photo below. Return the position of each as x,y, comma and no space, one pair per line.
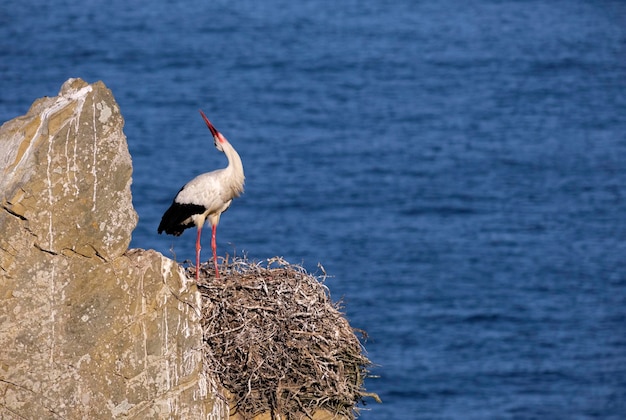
218,138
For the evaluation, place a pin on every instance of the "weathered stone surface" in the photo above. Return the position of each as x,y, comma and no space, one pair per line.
66,169
87,328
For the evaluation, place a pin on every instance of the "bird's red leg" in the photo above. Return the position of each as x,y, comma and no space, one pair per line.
214,247
198,254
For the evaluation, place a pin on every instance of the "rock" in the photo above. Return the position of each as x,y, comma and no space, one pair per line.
88,329
67,171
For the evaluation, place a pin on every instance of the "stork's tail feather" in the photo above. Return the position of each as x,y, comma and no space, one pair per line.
178,218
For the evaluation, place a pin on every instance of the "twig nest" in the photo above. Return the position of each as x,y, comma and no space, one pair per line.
278,343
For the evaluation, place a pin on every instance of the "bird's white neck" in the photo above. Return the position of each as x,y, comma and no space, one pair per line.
234,169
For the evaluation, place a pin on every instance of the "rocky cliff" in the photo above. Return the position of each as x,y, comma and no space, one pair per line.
87,328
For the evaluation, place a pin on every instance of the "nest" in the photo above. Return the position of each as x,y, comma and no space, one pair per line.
277,342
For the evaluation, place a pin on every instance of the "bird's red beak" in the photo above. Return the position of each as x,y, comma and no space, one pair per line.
214,132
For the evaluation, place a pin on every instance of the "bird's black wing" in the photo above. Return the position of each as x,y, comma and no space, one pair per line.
178,218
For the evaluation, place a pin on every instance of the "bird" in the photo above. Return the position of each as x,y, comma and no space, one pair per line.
206,197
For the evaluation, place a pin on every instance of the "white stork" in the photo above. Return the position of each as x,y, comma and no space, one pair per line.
206,196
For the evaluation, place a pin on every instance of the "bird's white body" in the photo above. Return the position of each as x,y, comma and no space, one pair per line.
214,190
206,196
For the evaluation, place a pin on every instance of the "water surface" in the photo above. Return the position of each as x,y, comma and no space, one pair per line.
456,167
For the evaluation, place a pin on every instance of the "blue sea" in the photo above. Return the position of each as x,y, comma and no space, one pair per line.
457,167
